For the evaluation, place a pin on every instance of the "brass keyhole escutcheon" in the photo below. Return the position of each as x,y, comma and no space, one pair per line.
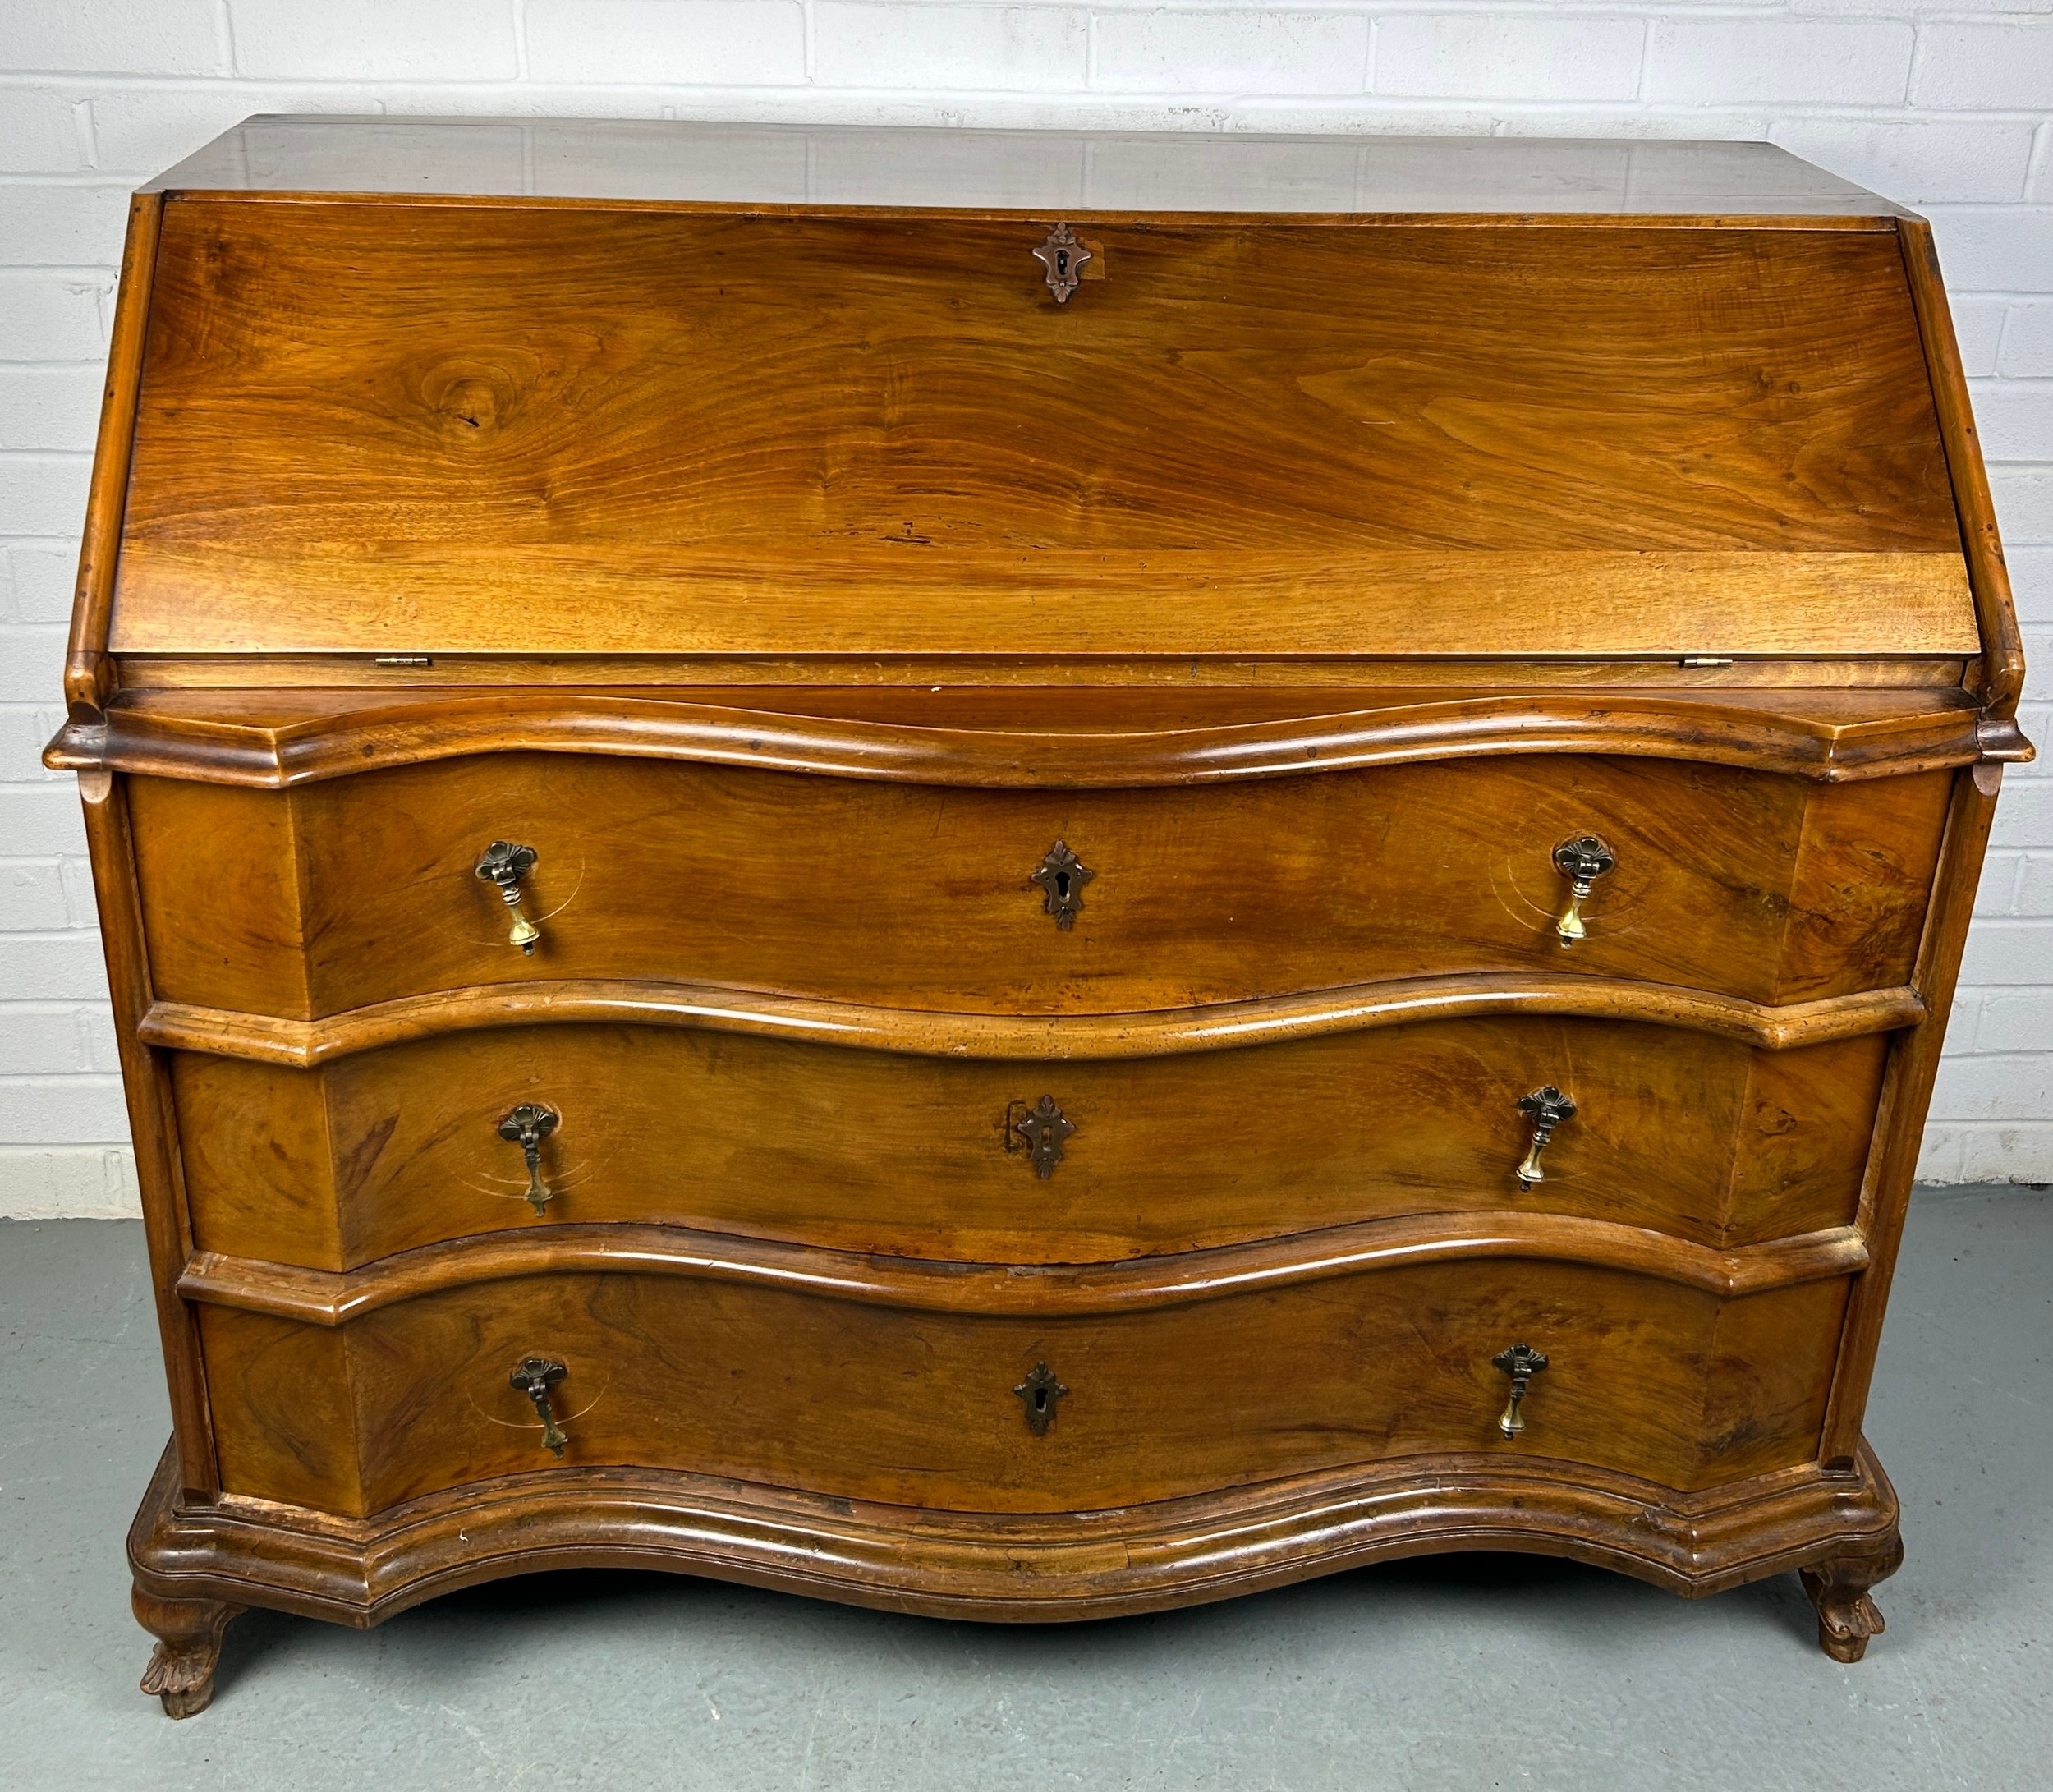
502,864
1582,860
1521,1363
1044,1127
526,1127
1038,1393
535,1377
1063,256
1061,876
1546,1108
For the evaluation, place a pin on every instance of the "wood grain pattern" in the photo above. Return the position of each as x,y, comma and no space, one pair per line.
1899,1124
822,435
864,600
277,673
1000,1567
916,896
857,1400
88,674
2001,678
269,1039
1026,1568
152,1121
1046,737
285,1420
865,1150
324,1299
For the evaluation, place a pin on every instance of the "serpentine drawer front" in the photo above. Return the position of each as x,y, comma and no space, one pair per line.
879,1399
829,859
1777,888
1682,1131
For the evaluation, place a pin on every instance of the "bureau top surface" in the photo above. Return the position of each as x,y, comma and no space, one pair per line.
1308,396
820,166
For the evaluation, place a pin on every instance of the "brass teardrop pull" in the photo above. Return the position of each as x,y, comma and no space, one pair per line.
526,1127
1546,1108
535,1377
502,864
1038,1393
1582,860
1521,1363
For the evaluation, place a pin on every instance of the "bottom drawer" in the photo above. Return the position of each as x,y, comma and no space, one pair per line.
914,1397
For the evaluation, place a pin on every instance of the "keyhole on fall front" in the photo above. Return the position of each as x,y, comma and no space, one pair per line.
1062,886
1061,264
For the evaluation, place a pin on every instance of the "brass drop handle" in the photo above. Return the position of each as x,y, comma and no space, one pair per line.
526,1127
1546,1108
1521,1363
1582,860
535,1377
502,864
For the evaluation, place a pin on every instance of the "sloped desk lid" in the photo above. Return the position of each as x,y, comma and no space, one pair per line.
415,387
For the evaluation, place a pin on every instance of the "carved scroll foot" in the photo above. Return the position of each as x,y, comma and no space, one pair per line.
181,1671
1839,1588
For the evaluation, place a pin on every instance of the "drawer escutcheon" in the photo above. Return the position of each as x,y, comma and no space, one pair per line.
1044,1127
1038,1393
1061,876
1063,256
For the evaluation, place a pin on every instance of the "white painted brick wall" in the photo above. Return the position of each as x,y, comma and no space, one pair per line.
1946,107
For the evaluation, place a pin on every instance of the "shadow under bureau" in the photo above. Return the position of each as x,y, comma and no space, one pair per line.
1023,876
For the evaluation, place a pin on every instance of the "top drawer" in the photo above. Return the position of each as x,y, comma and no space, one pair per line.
361,889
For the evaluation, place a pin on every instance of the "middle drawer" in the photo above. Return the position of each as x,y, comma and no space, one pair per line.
1061,1160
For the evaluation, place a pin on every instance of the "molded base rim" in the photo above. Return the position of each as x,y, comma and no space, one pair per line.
1003,1568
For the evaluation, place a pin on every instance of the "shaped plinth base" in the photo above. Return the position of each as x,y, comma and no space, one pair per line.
195,1565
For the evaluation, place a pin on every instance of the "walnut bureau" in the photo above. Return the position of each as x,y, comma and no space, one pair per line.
1023,876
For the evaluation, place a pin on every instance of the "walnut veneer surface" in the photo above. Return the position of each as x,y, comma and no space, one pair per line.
1023,876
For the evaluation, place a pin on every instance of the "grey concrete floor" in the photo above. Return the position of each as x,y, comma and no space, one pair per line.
1480,1671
